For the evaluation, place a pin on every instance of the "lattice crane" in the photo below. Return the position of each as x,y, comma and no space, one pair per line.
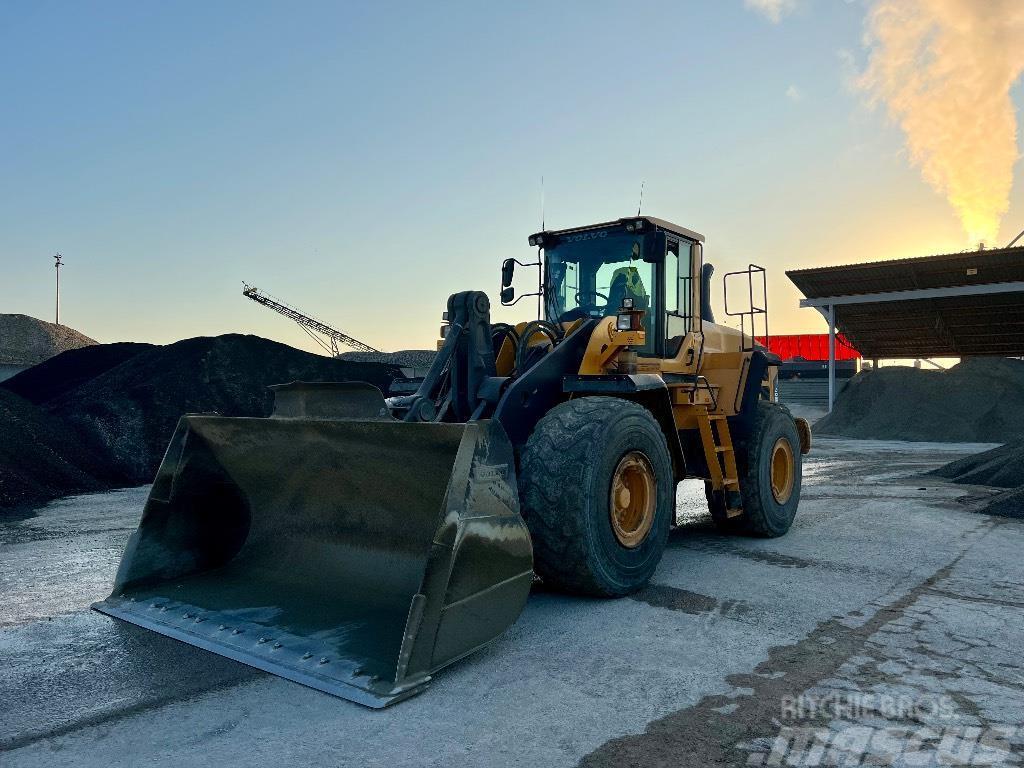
327,337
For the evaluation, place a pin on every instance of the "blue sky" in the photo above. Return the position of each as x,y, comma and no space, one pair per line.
364,160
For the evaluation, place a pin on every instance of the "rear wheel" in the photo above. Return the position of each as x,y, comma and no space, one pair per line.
770,469
598,492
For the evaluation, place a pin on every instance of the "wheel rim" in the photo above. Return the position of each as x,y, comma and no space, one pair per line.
783,470
633,499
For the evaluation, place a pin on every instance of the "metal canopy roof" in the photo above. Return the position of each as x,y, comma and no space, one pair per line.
950,305
689,234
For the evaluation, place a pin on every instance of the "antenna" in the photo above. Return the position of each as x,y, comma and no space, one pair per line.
57,264
641,205
541,203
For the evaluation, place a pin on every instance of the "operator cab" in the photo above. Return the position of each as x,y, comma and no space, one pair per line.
587,272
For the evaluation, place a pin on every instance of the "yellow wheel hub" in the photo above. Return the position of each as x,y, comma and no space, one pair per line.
783,470
633,499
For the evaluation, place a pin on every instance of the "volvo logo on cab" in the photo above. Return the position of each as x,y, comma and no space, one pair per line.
585,236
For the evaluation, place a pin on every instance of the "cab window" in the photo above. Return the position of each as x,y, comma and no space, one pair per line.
678,295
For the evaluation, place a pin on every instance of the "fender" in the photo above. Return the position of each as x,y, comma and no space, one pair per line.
646,389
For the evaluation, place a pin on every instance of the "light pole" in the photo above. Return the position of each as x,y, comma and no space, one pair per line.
57,265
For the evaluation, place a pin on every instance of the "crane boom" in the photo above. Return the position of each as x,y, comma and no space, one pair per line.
310,325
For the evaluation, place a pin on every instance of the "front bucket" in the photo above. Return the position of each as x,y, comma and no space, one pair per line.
341,549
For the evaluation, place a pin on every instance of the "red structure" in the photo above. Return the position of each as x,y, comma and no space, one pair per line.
809,346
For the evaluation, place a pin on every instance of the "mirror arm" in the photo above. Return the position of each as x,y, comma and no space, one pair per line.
518,298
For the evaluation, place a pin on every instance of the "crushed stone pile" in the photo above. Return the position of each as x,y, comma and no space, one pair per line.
69,370
25,340
1001,467
132,409
111,428
978,400
41,457
1007,504
406,358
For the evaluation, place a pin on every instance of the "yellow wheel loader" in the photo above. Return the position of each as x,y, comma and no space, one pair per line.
358,544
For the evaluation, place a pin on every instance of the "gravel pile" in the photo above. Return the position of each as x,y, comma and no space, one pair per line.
1002,467
41,457
69,370
1008,504
979,400
25,340
132,409
406,358
112,426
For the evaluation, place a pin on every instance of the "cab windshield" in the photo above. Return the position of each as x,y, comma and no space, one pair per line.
590,273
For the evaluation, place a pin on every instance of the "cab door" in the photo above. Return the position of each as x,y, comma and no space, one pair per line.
681,327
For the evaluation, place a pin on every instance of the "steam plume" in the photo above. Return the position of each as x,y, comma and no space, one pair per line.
944,69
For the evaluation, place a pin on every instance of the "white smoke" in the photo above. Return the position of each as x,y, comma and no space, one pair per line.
944,69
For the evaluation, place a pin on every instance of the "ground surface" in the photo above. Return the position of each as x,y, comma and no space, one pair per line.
887,625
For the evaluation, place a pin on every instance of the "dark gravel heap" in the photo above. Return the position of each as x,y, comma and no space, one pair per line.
406,358
1007,504
132,409
69,370
1002,467
113,426
41,457
979,400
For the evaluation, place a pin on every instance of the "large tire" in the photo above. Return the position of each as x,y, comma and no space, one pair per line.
565,485
764,513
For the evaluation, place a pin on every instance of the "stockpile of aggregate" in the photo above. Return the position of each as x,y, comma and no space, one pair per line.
978,400
41,457
1007,504
406,358
132,409
1001,467
25,340
69,370
112,428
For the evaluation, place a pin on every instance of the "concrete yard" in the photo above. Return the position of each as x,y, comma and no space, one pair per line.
885,628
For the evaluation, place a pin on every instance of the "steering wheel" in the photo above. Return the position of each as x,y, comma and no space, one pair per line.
592,306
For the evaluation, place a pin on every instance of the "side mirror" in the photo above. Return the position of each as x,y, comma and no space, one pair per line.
509,293
508,268
655,246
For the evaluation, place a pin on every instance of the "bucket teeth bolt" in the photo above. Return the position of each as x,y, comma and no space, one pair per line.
307,655
324,659
277,645
263,639
236,631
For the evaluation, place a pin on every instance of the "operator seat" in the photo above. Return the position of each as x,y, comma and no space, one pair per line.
626,284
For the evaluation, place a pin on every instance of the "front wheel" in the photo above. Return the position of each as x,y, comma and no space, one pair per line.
770,473
598,494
